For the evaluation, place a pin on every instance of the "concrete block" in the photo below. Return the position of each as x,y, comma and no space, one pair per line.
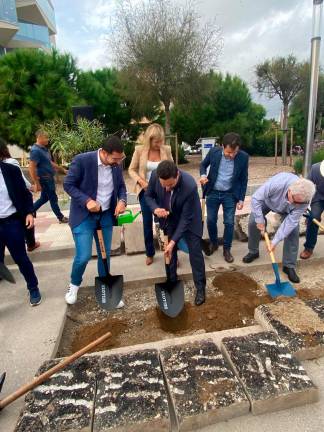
134,238
65,402
130,394
203,388
272,378
297,324
116,243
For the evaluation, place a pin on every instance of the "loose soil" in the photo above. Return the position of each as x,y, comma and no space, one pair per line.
231,300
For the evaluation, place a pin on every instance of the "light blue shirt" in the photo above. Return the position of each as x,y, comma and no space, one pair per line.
273,195
225,174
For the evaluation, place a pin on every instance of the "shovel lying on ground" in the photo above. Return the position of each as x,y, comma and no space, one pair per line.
308,215
278,288
108,289
46,375
170,295
6,274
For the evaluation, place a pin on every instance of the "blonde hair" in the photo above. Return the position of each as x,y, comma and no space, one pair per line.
154,131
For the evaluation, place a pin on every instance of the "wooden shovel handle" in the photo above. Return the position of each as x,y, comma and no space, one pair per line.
165,244
203,208
266,237
44,376
321,227
101,244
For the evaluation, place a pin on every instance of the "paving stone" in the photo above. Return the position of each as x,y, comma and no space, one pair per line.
65,402
131,394
297,324
116,243
203,388
272,377
134,238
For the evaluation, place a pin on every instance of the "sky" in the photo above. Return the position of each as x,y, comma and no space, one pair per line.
252,31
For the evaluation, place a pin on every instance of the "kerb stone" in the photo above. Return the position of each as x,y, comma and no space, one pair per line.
134,238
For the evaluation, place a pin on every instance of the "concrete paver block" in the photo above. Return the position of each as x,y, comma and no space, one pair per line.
130,394
65,402
297,324
272,378
115,243
203,388
134,238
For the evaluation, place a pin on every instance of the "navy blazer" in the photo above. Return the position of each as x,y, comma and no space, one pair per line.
18,193
185,212
81,183
240,174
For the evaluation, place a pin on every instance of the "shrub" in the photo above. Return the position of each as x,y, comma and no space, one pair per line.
318,156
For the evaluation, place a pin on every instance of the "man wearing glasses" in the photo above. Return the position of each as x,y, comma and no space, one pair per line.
98,193
289,196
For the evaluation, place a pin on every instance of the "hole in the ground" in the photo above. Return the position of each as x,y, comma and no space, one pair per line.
231,300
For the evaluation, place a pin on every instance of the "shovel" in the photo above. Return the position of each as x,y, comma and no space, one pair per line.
108,289
204,242
170,295
278,288
309,215
6,274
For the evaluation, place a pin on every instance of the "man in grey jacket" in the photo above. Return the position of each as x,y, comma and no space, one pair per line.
289,196
316,175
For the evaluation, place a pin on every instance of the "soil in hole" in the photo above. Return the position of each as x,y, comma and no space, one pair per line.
231,300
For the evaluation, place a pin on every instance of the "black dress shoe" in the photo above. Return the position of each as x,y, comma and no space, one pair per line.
291,273
250,257
228,256
211,248
200,297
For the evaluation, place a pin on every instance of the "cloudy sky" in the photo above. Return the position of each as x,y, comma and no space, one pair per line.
253,30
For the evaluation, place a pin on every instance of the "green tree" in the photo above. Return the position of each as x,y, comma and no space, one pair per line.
34,87
283,77
101,89
163,49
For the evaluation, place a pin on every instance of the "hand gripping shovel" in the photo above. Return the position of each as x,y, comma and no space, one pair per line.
308,215
170,295
278,288
108,289
6,274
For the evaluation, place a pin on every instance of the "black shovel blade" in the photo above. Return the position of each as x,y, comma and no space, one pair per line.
2,379
6,274
170,297
109,291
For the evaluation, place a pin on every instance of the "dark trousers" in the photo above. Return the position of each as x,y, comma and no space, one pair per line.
48,194
214,200
196,261
312,229
12,237
147,225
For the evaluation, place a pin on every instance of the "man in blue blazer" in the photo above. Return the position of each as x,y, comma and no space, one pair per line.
98,195
16,212
172,196
225,185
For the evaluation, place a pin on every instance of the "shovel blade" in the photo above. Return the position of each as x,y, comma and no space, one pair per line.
170,297
282,289
6,274
109,291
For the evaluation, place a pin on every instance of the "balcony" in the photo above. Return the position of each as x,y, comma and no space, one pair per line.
31,36
39,12
8,20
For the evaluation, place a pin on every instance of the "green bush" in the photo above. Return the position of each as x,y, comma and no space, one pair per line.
318,156
129,147
264,144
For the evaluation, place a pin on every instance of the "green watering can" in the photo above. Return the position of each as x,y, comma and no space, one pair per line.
127,217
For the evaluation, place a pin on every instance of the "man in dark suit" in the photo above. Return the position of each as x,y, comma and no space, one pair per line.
97,188
173,197
16,210
225,185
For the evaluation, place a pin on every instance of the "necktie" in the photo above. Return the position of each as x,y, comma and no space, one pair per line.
167,200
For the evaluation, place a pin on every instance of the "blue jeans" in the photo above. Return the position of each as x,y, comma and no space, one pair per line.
83,237
312,229
12,235
214,200
147,225
48,194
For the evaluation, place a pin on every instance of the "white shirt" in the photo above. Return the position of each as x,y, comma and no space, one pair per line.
6,206
150,167
105,184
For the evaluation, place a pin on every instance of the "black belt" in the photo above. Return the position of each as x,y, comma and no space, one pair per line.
11,217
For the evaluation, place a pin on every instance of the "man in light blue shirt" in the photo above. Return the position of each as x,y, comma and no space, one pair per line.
289,196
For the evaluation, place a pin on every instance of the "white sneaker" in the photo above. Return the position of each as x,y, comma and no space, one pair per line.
120,305
72,294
